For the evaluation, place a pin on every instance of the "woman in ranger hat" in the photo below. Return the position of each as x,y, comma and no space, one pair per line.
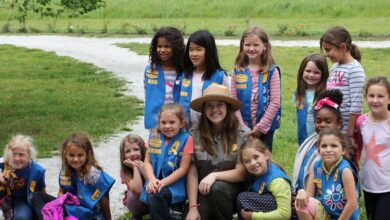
216,173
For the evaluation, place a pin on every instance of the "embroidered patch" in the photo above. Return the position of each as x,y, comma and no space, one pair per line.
152,81
241,78
182,93
65,180
175,145
234,147
154,151
171,164
155,142
96,194
265,76
32,186
186,82
240,86
197,147
152,74
262,187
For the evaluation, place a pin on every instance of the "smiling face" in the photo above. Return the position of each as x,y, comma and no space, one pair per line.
132,151
324,118
20,158
330,150
164,49
255,161
335,54
169,124
76,157
253,48
311,75
215,111
197,55
377,100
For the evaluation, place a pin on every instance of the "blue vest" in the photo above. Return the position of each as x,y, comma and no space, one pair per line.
330,190
154,82
302,118
261,184
244,94
165,159
186,90
36,174
89,195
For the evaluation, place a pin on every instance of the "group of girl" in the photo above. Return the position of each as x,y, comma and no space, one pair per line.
205,173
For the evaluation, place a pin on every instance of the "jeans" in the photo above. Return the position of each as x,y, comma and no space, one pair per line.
22,211
159,205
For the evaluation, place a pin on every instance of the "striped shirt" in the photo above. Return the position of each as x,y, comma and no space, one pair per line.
349,79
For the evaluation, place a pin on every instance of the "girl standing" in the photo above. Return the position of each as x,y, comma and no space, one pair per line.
213,181
375,131
83,177
163,74
202,68
267,176
167,160
20,178
332,182
326,115
132,155
311,80
256,83
346,74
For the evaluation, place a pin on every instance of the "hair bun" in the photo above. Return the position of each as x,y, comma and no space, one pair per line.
334,94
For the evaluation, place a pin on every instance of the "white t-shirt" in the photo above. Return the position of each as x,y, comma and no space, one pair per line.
376,156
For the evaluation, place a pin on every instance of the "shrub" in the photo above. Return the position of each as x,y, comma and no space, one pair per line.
230,31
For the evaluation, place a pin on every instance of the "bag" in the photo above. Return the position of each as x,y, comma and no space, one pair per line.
255,202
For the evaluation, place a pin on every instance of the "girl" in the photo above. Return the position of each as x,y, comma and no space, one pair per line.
311,80
346,74
202,68
20,178
332,182
132,154
166,163
269,177
83,177
215,173
163,74
326,115
256,82
375,131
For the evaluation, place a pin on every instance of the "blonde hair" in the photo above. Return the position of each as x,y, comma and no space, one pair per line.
81,141
131,138
19,141
266,58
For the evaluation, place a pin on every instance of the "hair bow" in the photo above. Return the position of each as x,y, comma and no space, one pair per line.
325,101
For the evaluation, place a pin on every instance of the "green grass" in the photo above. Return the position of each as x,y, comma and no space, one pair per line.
49,97
285,140
281,19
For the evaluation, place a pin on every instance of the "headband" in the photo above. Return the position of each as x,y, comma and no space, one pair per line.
325,101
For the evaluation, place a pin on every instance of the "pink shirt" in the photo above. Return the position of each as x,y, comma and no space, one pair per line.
269,114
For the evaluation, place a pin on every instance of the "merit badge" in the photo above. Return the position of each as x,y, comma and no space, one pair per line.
262,187
241,78
175,145
152,74
265,76
32,186
96,194
171,164
234,147
186,82
155,142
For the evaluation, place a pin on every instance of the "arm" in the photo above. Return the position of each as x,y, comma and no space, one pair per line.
192,191
269,114
152,185
304,194
281,189
105,204
177,174
356,87
60,192
233,92
135,184
235,175
350,193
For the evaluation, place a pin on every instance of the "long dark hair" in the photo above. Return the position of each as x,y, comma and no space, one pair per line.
320,62
336,96
337,36
228,136
175,38
204,39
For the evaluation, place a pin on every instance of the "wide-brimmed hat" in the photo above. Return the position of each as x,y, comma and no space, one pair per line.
215,92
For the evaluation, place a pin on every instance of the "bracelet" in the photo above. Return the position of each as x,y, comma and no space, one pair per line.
194,206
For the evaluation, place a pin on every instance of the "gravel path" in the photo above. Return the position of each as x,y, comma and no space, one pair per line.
128,66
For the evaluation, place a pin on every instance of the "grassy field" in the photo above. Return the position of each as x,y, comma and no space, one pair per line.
286,20
49,97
